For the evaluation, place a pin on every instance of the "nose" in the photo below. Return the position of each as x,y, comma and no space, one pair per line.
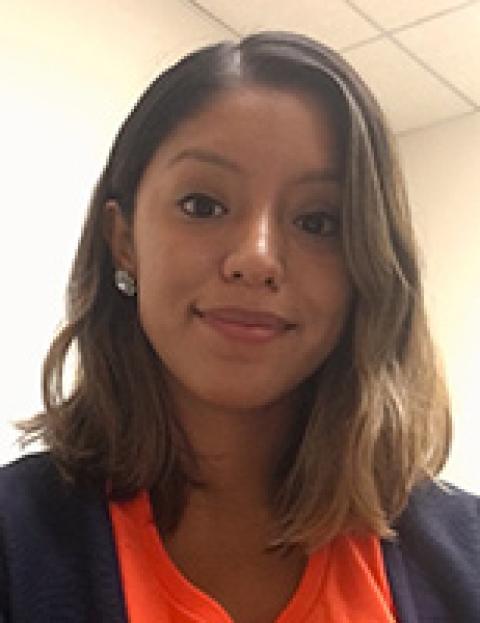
255,259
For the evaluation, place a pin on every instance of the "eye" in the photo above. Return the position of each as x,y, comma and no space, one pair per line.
319,223
198,205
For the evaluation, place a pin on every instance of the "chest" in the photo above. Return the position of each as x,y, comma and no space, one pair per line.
252,587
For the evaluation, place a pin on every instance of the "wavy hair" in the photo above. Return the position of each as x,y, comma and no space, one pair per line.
377,418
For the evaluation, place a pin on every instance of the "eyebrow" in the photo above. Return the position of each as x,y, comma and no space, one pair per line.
318,175
206,156
209,157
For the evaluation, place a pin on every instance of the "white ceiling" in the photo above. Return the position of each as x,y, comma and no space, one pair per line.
420,57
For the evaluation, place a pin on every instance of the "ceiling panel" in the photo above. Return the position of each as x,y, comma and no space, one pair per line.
410,96
331,21
451,46
395,14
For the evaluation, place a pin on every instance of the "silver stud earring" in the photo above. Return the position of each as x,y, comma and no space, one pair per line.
125,283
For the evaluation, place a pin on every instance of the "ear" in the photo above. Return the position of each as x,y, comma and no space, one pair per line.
118,235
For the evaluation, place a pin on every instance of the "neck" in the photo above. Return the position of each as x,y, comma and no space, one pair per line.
235,449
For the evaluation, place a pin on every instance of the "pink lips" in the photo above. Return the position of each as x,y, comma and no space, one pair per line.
243,324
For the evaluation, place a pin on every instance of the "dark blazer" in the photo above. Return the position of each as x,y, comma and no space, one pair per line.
58,561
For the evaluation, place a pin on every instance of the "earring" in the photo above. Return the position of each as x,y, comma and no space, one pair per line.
125,283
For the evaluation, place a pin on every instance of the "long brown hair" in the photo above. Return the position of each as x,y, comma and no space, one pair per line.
377,418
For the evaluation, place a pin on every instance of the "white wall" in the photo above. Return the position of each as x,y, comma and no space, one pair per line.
442,166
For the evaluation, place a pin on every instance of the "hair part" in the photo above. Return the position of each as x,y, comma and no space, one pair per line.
376,421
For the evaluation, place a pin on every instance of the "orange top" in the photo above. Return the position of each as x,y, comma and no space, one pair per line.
343,582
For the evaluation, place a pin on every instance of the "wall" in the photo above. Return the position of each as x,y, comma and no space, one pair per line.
442,166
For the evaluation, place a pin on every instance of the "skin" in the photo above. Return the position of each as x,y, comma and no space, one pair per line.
274,213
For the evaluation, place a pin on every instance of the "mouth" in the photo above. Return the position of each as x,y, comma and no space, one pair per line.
245,324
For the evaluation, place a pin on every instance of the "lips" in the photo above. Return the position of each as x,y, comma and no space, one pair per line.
244,325
245,317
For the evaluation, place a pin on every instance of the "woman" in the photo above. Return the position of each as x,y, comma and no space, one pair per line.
258,415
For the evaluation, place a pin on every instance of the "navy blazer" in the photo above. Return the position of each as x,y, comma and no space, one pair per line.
58,562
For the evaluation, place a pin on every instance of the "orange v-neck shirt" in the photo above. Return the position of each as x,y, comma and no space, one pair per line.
343,582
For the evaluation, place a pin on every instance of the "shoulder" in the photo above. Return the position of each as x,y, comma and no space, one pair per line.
32,481
442,512
35,496
27,471
434,563
433,492
441,526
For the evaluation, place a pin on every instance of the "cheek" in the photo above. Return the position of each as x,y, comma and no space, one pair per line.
170,276
164,291
329,296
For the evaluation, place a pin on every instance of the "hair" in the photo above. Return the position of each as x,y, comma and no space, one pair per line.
377,419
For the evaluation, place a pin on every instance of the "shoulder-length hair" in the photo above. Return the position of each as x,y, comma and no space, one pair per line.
377,420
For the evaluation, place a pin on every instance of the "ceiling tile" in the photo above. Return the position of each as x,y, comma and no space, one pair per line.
451,46
330,21
410,96
395,14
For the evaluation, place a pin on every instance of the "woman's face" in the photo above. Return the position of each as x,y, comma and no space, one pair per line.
241,280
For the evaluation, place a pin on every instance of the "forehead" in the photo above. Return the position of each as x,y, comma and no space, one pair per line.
260,122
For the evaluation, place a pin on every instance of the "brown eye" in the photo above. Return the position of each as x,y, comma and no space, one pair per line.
197,205
319,223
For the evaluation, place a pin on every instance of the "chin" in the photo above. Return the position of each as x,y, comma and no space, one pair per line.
231,398
239,402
